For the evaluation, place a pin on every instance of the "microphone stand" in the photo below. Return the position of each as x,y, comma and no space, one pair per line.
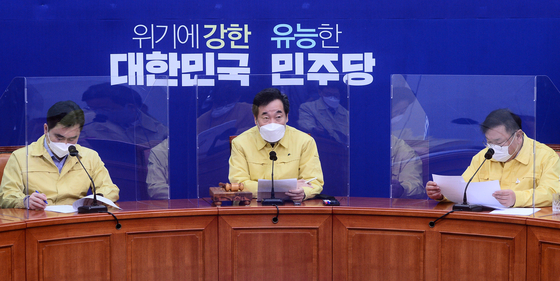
94,207
468,207
272,201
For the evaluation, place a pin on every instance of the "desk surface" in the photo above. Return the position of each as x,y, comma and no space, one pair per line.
171,239
17,218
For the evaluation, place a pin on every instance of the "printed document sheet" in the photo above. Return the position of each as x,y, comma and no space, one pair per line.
479,193
280,188
80,202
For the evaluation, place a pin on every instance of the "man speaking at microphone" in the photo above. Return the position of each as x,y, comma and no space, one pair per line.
296,151
54,177
512,164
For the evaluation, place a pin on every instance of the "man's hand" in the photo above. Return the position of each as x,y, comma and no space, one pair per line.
36,201
433,191
506,197
298,194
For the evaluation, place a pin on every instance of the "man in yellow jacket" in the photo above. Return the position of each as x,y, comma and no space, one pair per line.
296,151
48,175
513,164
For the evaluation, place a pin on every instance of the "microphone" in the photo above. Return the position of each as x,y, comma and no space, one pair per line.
489,154
272,201
94,208
465,206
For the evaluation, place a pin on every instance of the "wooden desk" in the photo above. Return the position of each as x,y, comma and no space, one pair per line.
160,240
543,246
396,243
298,247
12,248
364,239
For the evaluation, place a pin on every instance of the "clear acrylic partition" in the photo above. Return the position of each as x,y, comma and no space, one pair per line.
126,125
224,110
12,127
436,125
548,101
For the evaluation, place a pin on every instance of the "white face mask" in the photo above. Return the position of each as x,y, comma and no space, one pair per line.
58,148
501,153
272,132
331,101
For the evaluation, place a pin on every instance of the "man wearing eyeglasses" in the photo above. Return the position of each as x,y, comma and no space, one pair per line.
513,164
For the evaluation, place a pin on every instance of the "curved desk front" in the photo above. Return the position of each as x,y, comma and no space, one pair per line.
363,239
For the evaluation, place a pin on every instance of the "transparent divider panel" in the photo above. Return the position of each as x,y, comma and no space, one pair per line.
224,111
436,127
14,119
548,110
127,126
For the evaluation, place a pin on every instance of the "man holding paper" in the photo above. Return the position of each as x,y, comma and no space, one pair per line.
296,151
513,164
51,175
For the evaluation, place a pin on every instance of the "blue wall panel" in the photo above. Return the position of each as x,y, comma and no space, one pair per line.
76,38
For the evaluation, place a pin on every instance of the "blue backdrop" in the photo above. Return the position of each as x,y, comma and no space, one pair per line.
78,38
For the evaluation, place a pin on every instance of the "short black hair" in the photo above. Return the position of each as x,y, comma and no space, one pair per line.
340,86
66,113
267,96
119,94
510,120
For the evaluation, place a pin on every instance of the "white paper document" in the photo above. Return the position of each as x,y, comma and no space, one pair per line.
280,188
61,208
479,193
516,211
80,202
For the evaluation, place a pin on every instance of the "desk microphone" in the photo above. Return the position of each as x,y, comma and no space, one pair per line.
94,208
465,206
272,200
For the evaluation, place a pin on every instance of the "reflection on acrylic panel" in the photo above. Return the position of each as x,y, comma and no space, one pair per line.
122,123
225,111
435,129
